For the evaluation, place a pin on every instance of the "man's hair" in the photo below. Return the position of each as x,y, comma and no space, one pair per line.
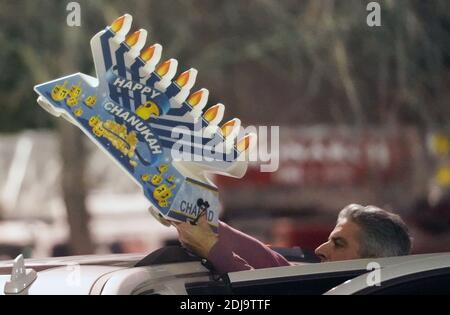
383,234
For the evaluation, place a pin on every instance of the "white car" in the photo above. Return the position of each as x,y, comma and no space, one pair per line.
171,270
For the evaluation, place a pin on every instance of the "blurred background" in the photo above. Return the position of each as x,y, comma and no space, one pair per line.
364,116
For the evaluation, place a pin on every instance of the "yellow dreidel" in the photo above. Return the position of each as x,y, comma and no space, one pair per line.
75,90
60,92
157,180
98,130
146,177
94,121
163,168
90,101
78,112
171,179
163,193
72,101
147,110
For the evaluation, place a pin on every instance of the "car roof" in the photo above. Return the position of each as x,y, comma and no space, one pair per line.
40,264
66,277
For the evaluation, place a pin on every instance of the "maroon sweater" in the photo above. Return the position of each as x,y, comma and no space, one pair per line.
236,251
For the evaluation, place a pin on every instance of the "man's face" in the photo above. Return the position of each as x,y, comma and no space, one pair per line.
342,244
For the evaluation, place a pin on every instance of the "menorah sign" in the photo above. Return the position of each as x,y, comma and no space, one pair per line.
151,124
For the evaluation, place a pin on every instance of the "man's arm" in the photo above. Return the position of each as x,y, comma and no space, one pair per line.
230,250
256,253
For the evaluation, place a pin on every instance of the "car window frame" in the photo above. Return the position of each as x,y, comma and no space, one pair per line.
347,274
403,280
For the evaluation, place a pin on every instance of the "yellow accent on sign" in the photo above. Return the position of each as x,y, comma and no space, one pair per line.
147,110
183,78
94,121
60,92
164,68
72,101
147,54
146,177
163,192
195,98
157,180
76,90
163,168
117,24
78,112
90,101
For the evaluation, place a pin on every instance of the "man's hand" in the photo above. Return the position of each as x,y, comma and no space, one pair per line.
199,238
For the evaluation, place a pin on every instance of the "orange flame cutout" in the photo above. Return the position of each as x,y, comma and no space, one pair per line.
147,54
211,113
183,78
163,68
244,143
133,38
227,128
195,98
117,24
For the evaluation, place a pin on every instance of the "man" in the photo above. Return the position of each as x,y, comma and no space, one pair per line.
360,232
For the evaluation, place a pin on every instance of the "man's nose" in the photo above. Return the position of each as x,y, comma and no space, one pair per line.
321,252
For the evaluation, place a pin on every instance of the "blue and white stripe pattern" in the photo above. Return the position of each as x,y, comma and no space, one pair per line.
164,127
